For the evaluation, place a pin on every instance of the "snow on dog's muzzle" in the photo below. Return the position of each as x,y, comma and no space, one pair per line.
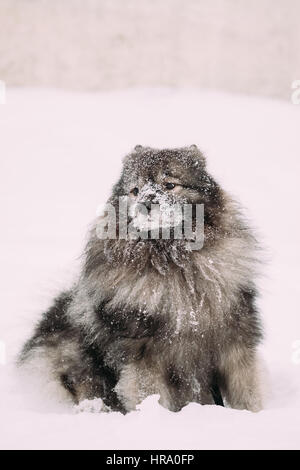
153,211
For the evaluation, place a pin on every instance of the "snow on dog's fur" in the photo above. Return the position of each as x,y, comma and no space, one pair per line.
152,316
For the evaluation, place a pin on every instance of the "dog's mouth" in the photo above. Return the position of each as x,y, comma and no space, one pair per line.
156,223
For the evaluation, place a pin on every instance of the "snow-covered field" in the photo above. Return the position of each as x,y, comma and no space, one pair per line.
60,152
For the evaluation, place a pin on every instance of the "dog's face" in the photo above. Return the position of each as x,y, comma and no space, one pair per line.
167,178
148,174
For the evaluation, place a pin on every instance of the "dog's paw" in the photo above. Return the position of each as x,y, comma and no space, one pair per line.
91,406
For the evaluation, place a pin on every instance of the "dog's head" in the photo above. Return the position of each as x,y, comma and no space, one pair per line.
177,182
167,179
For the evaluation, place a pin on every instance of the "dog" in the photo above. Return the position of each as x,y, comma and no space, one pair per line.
157,315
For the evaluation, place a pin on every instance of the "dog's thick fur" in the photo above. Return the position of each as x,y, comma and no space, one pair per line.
151,316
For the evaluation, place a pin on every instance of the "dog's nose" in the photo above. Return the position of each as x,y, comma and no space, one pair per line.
149,202
148,195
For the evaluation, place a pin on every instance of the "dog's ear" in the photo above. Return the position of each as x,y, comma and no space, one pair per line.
136,150
198,157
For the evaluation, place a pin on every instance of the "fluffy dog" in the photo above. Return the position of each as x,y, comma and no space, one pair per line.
153,315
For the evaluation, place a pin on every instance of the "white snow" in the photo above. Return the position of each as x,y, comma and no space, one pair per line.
60,154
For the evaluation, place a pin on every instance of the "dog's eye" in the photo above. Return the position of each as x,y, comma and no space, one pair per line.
135,191
170,186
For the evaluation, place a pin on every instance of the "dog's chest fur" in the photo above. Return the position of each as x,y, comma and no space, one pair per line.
187,310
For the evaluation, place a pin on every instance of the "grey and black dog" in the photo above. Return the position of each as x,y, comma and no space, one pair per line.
152,316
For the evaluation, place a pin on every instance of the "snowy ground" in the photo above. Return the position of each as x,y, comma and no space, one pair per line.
60,154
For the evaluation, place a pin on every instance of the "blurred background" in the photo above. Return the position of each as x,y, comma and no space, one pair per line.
234,45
